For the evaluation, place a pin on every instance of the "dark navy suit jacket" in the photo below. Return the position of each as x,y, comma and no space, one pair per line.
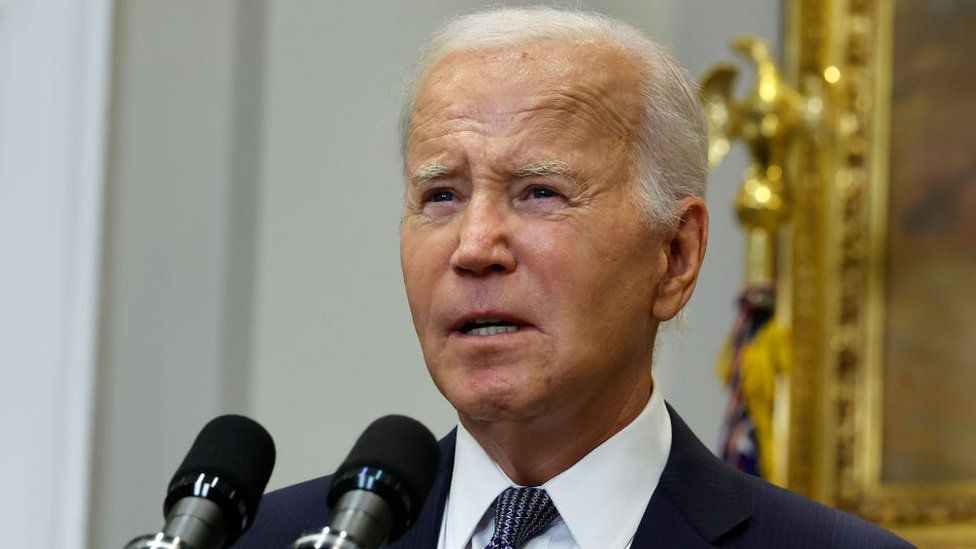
699,502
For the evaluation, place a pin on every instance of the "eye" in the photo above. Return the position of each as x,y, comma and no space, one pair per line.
441,201
537,199
542,192
440,196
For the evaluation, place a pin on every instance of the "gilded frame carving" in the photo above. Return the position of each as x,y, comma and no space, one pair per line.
832,293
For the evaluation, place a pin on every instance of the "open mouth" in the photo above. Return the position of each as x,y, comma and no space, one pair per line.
488,327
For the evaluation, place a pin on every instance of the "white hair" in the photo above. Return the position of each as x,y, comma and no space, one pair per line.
670,154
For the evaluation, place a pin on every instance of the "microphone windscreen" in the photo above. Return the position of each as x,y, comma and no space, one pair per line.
402,447
236,449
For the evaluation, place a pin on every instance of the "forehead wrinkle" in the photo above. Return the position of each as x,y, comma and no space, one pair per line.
592,105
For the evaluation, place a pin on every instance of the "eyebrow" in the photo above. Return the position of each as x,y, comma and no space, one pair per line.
542,168
427,172
548,167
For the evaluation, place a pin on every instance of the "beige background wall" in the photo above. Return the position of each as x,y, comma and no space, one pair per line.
251,234
165,276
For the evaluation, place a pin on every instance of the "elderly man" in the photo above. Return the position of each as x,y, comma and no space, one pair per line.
553,219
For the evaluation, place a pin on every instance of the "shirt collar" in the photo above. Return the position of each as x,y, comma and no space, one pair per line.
476,482
601,498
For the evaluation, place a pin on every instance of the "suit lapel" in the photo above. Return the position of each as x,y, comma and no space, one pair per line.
425,532
697,500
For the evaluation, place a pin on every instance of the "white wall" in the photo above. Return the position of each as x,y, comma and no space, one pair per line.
253,202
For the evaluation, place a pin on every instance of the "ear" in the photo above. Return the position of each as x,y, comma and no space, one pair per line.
684,254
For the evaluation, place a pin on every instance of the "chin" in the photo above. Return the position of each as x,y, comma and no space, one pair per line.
493,386
492,402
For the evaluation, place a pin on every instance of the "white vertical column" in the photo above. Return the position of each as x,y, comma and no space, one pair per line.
53,88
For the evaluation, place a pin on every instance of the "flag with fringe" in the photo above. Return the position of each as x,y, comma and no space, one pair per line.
757,350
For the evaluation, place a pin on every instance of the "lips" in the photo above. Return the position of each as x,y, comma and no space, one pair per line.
488,323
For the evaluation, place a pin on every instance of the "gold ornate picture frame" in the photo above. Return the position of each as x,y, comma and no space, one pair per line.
830,443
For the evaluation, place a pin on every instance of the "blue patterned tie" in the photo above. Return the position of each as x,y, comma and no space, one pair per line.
520,514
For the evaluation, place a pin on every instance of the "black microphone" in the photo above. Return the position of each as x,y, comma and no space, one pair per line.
379,489
214,495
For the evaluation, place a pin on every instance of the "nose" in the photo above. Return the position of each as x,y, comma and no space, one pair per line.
483,243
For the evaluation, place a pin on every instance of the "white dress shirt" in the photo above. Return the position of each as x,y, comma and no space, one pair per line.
601,499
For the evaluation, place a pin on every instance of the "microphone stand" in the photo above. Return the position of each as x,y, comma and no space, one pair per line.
360,520
192,523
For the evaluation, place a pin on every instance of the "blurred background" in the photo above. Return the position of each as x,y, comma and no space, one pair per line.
199,205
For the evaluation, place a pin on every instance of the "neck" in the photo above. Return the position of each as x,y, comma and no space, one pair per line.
534,450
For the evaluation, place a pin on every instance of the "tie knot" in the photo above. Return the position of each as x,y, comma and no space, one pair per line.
520,514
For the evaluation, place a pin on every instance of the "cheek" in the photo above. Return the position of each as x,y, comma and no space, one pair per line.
562,263
594,277
425,257
548,253
418,258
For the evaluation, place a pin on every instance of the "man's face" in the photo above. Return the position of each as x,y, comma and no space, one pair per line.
529,271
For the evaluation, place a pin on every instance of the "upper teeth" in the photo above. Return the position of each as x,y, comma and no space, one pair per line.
493,330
